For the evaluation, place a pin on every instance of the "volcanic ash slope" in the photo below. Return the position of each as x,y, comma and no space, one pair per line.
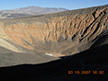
59,34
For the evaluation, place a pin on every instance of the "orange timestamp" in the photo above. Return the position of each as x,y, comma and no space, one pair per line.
85,72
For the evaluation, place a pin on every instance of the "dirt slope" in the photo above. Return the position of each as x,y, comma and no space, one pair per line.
62,33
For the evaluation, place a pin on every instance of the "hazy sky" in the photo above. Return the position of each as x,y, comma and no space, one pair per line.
69,4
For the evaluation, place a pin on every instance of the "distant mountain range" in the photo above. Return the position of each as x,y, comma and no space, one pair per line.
28,11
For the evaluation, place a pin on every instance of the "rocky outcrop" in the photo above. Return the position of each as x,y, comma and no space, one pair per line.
60,34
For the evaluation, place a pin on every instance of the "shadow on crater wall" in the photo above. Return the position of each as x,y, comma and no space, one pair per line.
92,59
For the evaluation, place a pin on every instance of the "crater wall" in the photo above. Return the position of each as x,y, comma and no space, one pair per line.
60,34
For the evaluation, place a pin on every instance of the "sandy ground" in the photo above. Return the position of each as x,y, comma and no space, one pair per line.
10,58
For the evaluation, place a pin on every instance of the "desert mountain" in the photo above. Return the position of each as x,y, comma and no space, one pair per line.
29,11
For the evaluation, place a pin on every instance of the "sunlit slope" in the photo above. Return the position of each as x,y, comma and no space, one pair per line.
5,41
59,34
